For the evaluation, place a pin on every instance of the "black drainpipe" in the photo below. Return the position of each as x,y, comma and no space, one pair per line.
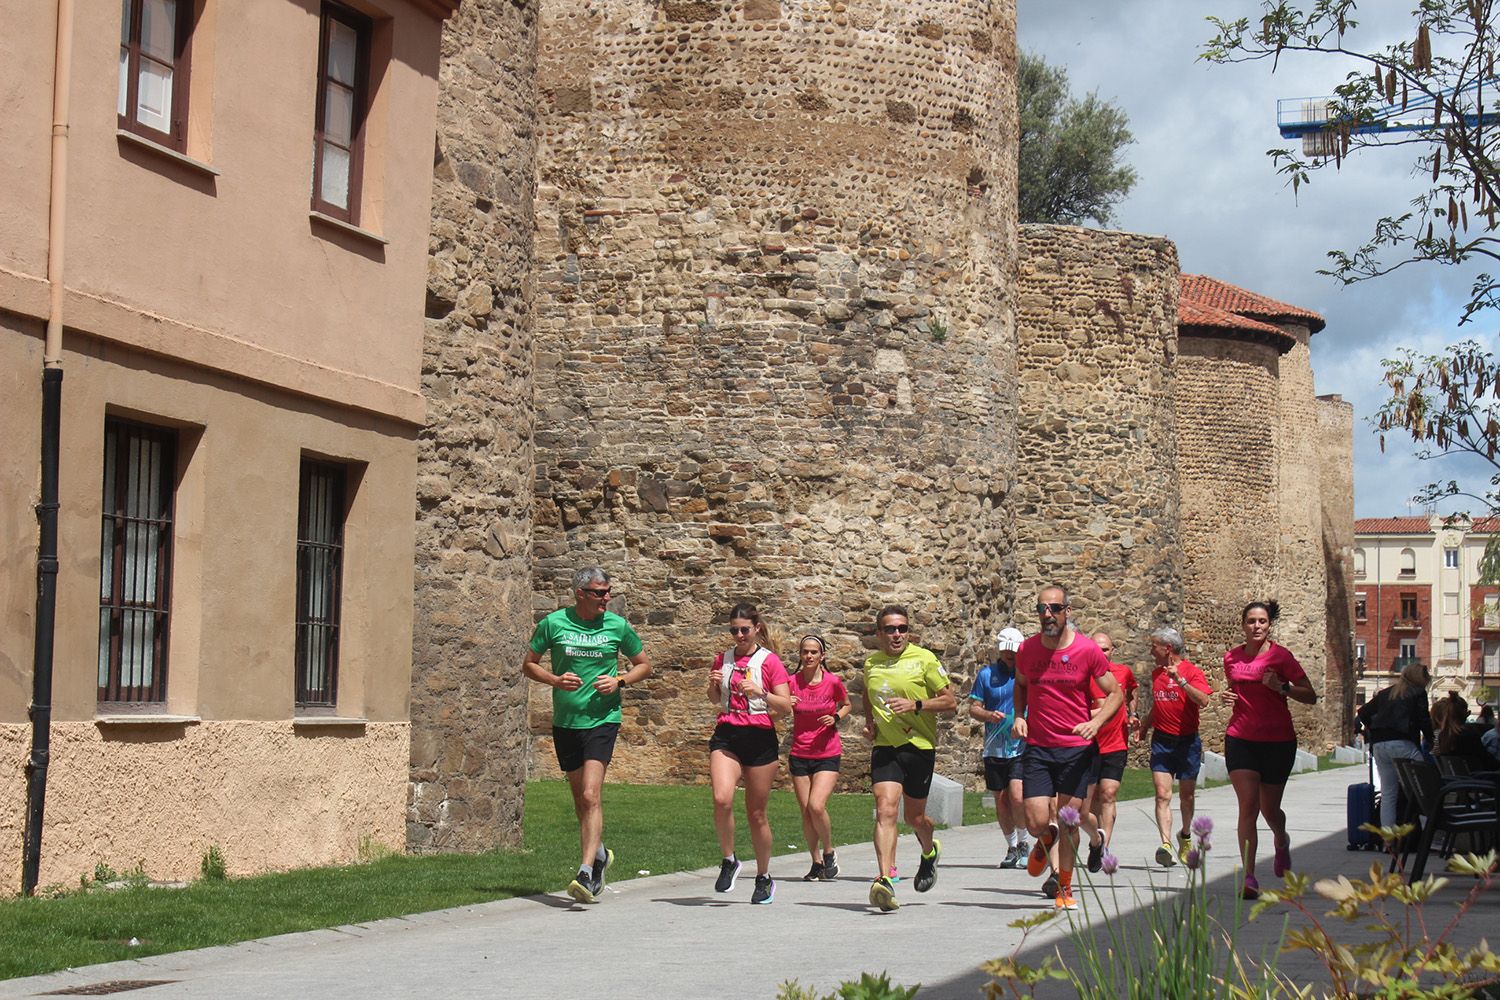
46,615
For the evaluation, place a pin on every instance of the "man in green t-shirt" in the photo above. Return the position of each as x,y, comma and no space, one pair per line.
905,688
586,643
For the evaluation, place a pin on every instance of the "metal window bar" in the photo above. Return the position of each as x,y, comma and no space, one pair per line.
140,465
320,565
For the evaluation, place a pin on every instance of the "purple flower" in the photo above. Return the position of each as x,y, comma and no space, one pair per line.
1203,826
1204,844
1068,816
1110,863
1194,860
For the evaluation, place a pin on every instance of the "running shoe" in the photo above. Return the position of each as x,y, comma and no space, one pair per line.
729,872
883,894
583,889
1096,856
1282,862
1013,857
1184,844
1064,900
600,867
1164,855
765,889
815,873
927,868
1251,889
1049,887
1036,861
830,867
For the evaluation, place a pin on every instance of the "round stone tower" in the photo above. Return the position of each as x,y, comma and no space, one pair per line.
774,330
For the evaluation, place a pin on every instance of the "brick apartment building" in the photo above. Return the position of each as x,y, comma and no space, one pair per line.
1417,596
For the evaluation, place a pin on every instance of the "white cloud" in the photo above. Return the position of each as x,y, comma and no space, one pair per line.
1202,132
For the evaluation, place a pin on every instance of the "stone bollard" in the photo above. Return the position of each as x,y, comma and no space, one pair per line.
1348,755
1305,762
945,803
1213,767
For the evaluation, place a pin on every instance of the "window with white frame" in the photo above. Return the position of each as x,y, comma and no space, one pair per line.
1408,563
1450,559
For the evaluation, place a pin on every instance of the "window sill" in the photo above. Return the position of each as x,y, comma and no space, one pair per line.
328,721
146,719
349,230
140,141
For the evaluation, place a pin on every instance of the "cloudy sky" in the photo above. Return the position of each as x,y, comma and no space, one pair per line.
1202,132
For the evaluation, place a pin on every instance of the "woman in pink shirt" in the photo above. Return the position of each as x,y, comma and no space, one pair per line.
819,702
1260,744
749,685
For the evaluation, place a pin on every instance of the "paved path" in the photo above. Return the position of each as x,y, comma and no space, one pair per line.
671,936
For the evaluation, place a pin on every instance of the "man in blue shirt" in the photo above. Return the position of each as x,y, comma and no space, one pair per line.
992,702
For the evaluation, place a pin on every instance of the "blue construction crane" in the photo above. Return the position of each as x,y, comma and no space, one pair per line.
1308,118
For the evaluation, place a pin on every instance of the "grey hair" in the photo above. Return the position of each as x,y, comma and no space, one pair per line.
588,575
1168,637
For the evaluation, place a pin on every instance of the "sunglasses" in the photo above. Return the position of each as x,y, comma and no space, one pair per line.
741,629
1052,606
596,592
895,629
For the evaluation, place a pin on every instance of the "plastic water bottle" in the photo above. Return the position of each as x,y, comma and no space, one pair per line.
884,696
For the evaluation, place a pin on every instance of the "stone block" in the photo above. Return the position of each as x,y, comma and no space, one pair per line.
1348,755
945,803
1305,762
1213,767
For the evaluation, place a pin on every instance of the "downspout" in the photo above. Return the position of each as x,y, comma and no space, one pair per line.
46,511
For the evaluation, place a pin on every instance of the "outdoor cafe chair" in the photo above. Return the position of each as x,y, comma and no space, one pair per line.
1452,807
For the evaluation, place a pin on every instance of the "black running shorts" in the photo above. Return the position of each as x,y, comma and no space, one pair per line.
574,746
910,765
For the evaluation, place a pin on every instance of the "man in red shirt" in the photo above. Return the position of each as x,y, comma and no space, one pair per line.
1178,691
1056,716
1109,765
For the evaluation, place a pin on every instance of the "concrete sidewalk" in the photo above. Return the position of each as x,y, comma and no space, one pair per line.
670,935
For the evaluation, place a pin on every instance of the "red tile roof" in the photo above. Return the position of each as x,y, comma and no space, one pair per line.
1417,526
1208,291
1191,313
1391,526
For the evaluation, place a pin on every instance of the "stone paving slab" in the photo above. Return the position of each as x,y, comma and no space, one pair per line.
671,936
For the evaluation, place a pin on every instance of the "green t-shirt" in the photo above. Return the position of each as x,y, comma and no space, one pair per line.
915,674
589,649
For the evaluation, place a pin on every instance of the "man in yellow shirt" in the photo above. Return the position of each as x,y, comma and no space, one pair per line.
905,688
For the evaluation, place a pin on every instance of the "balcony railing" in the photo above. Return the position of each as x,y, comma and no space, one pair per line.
1401,623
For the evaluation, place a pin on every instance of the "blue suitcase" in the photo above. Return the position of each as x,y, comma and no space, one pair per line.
1363,808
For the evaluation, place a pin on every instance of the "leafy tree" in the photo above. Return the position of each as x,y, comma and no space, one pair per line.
1441,79
1069,167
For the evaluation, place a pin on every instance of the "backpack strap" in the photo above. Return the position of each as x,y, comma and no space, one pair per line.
754,706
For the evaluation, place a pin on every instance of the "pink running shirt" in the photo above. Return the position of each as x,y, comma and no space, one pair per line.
1057,689
772,673
1260,713
809,739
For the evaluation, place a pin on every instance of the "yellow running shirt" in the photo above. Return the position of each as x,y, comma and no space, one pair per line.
915,674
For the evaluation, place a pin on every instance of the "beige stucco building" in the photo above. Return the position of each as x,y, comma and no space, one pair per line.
240,410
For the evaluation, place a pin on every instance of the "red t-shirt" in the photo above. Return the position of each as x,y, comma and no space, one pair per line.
1171,712
740,711
1260,713
1112,736
1057,689
811,739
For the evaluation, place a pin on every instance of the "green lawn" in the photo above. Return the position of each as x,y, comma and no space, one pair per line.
653,828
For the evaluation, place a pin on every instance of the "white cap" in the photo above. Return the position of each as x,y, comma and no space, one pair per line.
1008,638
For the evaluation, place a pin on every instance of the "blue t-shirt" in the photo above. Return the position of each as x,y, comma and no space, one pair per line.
995,690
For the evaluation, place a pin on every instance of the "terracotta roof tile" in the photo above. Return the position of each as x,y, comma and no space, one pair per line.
1208,291
1191,313
1391,526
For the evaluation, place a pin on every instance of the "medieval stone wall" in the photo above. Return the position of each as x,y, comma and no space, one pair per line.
774,334
1336,502
474,496
1227,408
1096,498
1301,584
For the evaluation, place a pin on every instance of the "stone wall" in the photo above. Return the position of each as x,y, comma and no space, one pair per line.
774,333
1096,498
1336,488
1227,408
474,499
1301,584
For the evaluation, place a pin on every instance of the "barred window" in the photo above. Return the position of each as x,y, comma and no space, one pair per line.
320,566
135,575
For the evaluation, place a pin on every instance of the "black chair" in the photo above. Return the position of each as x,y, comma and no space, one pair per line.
1451,766
1452,807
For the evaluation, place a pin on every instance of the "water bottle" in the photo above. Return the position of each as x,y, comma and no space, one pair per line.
884,696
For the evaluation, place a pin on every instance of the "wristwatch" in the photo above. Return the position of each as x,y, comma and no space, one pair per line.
919,704
1285,687
621,679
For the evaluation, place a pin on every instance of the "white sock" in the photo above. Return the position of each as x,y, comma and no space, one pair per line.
1013,839
602,855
